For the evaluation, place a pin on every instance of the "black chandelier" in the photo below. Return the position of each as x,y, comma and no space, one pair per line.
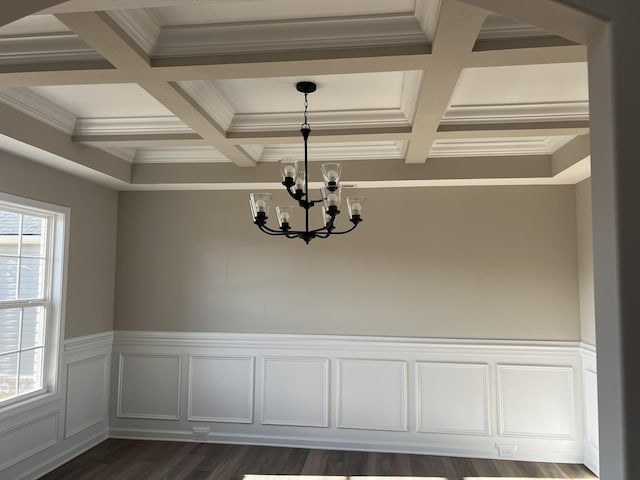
296,181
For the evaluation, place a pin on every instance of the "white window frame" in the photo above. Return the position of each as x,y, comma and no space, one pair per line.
55,296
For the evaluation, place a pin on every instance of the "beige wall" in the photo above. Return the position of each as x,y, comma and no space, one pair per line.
474,262
92,244
585,261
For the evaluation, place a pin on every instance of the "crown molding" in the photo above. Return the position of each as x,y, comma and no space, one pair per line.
45,48
251,122
213,102
130,125
322,152
179,155
496,113
426,11
411,83
27,101
497,26
127,154
478,147
320,33
139,25
254,150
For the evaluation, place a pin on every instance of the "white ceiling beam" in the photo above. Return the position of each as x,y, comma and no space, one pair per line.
514,129
570,154
456,33
322,136
331,61
27,130
104,34
550,15
444,169
507,56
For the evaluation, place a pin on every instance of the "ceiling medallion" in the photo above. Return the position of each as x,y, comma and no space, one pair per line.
296,181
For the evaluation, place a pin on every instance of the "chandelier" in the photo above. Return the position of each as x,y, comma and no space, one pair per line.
296,181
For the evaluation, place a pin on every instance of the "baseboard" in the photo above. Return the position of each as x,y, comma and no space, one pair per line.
63,457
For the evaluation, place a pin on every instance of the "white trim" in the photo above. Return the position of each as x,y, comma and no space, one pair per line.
130,125
29,102
325,396
204,154
140,25
122,414
86,343
106,361
346,343
403,427
343,152
37,449
426,11
515,112
298,34
454,431
212,101
248,419
325,120
498,146
502,431
45,48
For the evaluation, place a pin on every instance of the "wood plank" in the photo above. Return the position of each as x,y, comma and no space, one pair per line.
152,460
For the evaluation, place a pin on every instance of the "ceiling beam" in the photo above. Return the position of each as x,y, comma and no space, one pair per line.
513,129
104,34
27,130
455,168
503,53
364,134
570,154
456,33
62,73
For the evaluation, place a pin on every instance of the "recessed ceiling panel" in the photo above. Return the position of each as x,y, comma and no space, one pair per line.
98,101
335,92
522,84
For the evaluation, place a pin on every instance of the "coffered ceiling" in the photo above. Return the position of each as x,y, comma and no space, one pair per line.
179,94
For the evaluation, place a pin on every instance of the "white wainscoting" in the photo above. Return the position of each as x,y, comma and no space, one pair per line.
590,396
493,399
37,437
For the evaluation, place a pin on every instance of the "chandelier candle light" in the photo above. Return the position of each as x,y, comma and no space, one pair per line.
296,181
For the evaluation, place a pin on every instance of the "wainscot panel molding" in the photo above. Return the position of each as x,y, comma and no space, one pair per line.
39,436
475,398
590,398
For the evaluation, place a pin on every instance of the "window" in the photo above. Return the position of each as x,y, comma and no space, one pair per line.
30,293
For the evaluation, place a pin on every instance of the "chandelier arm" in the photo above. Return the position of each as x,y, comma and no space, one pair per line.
345,231
271,231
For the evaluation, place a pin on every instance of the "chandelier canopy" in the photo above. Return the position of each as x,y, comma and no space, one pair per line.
296,180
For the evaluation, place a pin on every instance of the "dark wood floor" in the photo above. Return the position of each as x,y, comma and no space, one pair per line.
142,460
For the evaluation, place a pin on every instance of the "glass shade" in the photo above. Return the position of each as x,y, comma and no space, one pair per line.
326,219
284,215
355,205
331,174
288,168
260,203
300,177
331,198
